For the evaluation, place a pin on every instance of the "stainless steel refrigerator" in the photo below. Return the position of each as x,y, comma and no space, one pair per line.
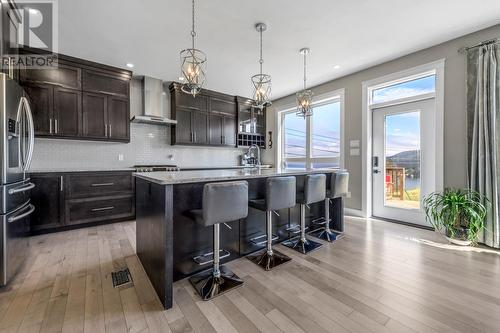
17,140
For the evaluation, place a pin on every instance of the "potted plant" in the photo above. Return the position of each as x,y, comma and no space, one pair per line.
459,212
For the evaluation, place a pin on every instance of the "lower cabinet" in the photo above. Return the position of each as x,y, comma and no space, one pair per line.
48,198
64,200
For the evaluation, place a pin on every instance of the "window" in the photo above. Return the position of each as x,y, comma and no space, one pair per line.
410,88
314,142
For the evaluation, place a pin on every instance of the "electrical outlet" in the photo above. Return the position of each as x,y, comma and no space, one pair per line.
120,157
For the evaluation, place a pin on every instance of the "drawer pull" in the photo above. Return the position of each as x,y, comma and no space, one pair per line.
102,208
102,184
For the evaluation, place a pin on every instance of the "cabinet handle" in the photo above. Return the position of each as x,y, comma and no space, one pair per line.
50,125
192,137
106,130
195,137
109,130
62,184
102,184
56,126
102,208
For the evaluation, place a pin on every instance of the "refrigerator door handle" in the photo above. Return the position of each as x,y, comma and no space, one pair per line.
20,216
31,135
25,188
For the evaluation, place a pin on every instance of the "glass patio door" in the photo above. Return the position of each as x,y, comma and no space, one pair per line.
403,162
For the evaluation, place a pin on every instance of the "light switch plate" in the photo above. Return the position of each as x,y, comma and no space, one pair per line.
354,143
354,152
120,157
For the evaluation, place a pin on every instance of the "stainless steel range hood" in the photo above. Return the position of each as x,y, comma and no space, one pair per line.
153,97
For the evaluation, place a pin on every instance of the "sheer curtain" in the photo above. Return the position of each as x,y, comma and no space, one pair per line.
483,107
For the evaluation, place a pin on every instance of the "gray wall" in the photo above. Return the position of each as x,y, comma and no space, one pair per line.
455,156
149,144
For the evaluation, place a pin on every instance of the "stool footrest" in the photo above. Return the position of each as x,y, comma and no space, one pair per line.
295,229
321,221
256,240
208,258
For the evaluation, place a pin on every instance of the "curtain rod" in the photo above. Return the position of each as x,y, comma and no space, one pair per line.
485,42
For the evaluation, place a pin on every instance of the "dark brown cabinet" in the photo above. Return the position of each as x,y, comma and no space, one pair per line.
95,116
56,110
48,199
79,99
251,124
208,119
67,112
182,132
41,99
66,200
118,118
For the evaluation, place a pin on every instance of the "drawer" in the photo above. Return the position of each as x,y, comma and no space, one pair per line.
99,184
95,210
105,83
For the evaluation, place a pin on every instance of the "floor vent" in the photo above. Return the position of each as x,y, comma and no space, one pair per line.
121,278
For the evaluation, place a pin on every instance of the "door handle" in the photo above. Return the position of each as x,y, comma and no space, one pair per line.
21,189
376,171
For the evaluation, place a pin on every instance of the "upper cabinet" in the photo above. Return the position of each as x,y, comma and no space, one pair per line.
79,100
208,119
251,124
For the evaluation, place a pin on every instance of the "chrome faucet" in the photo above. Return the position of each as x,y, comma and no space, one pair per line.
250,153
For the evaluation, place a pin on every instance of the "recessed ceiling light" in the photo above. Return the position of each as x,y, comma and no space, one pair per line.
181,78
130,65
336,67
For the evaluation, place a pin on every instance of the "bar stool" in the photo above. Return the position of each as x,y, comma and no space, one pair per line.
314,191
339,185
222,202
280,194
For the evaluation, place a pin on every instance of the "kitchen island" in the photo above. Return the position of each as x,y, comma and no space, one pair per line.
171,246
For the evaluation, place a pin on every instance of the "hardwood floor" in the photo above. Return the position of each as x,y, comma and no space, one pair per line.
381,277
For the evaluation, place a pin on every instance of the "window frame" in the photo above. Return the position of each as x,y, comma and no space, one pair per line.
308,159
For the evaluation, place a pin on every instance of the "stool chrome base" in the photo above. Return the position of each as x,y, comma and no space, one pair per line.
269,261
208,286
302,245
328,235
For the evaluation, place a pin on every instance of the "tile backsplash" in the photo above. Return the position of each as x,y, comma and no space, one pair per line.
149,144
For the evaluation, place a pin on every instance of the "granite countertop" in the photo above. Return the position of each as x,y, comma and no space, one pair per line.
198,176
82,169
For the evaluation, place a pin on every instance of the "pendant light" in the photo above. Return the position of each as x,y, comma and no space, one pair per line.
304,97
193,65
261,82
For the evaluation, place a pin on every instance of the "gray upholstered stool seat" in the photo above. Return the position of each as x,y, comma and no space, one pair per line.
222,202
280,194
339,187
314,191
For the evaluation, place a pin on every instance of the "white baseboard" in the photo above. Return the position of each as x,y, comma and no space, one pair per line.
354,212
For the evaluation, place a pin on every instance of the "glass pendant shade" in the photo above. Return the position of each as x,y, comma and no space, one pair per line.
261,82
305,96
193,65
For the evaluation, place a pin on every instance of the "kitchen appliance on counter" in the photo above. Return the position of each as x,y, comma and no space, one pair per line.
17,138
153,168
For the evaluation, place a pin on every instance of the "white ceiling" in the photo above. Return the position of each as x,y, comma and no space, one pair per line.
354,34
